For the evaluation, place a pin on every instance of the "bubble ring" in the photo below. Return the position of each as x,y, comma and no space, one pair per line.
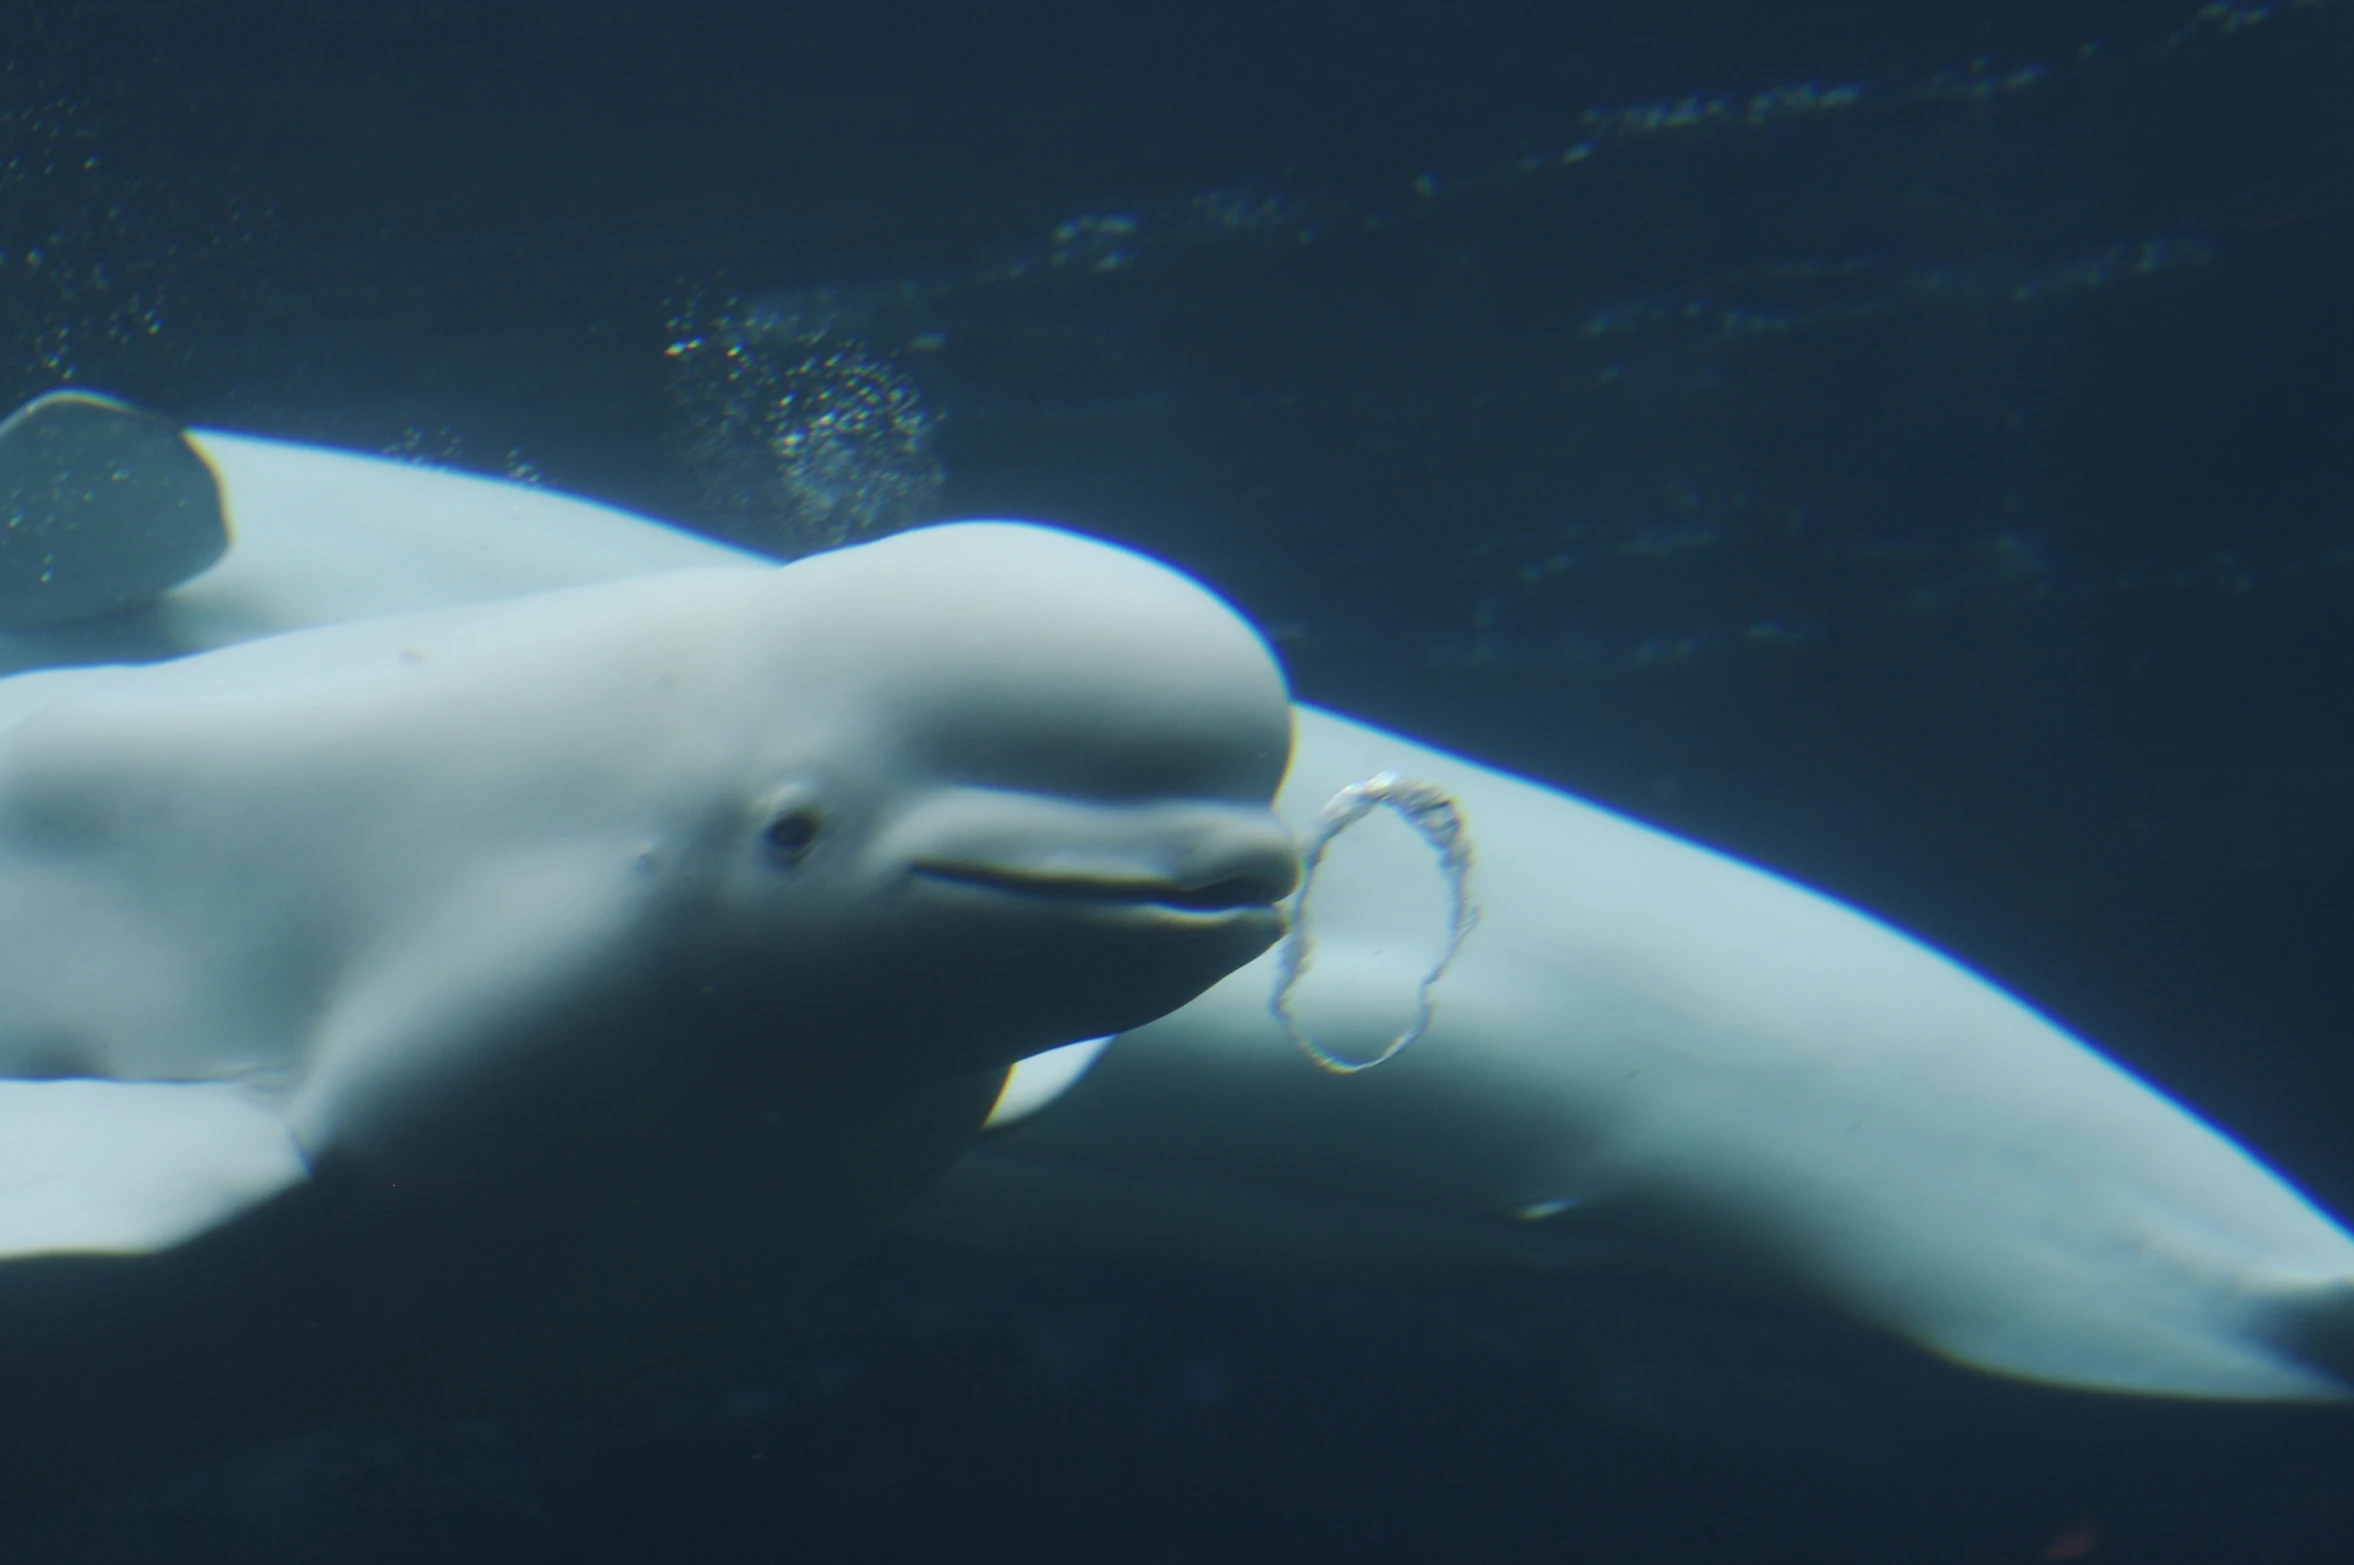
1438,820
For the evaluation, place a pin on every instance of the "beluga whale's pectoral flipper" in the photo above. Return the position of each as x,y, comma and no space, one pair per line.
122,1168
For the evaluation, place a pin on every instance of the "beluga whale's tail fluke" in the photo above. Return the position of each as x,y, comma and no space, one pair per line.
2314,1323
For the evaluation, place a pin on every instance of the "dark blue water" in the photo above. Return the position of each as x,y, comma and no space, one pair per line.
1909,446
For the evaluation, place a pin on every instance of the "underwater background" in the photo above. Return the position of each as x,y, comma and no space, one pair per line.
1907,446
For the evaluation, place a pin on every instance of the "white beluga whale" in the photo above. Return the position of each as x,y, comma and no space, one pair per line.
515,1003
1647,1056
1644,1054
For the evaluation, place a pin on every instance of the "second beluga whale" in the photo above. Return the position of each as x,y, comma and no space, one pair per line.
1650,1057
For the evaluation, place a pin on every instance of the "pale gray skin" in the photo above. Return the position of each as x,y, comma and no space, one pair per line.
510,1006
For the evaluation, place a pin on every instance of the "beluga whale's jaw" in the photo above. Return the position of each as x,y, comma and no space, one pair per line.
516,1003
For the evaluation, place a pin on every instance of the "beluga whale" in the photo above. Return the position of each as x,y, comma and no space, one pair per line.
1640,1056
510,1004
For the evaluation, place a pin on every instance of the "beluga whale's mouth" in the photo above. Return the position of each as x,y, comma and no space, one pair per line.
1211,860
1251,889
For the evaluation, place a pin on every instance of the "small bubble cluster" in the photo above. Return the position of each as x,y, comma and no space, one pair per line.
95,259
1803,295
1237,211
2118,263
1695,111
802,435
440,446
1980,81
2233,16
1098,243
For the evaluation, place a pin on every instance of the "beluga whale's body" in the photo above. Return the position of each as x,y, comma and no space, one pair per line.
505,1005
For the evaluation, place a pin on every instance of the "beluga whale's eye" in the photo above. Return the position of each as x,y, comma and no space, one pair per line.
792,831
791,820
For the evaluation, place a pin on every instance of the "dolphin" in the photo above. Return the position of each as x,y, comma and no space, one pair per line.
1645,1054
511,1004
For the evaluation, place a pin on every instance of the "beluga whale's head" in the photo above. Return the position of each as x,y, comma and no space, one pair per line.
1004,784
